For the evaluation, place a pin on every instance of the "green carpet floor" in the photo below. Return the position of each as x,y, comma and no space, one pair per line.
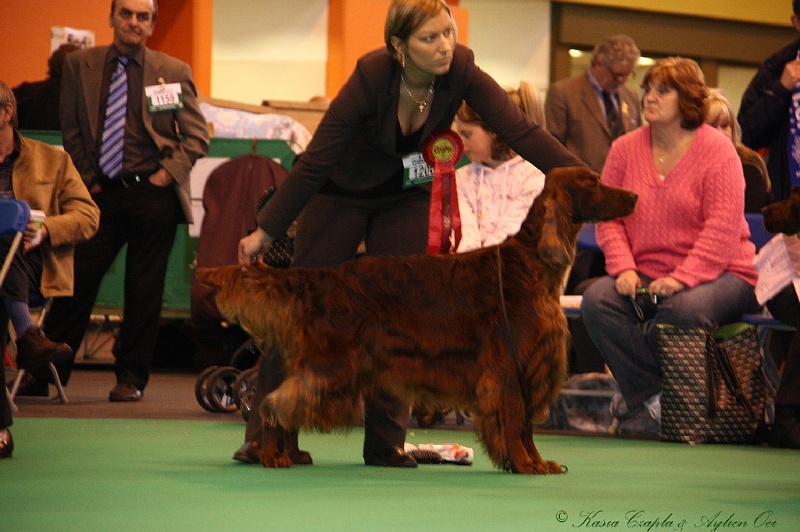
97,474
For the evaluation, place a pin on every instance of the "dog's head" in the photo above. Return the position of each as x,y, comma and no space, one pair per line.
572,196
588,199
224,282
237,291
784,216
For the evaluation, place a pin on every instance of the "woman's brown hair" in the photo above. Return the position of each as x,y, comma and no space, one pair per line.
683,75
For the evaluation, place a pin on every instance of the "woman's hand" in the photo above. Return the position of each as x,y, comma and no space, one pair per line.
665,287
627,282
252,246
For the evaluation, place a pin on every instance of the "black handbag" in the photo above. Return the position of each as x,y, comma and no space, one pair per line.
714,384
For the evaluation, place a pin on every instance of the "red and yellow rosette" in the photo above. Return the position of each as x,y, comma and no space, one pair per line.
442,151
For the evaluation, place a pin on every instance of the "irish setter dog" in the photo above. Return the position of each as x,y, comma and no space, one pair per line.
481,331
784,216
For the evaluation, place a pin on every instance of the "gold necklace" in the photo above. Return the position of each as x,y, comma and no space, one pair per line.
422,104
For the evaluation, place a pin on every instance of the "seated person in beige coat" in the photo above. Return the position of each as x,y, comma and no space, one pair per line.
44,177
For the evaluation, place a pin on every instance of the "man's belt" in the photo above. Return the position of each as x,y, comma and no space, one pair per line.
123,180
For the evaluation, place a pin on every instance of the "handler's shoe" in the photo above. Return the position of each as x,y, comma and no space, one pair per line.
393,457
248,453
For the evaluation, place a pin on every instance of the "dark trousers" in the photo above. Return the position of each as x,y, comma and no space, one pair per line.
24,271
329,231
785,306
144,217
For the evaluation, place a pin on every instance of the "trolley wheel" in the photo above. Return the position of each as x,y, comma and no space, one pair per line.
245,356
219,390
200,388
244,382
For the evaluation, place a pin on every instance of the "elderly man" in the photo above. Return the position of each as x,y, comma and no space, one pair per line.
588,111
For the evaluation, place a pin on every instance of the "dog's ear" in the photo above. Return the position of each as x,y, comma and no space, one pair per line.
214,277
554,248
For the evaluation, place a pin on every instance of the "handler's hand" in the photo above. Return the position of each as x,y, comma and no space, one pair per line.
253,245
627,282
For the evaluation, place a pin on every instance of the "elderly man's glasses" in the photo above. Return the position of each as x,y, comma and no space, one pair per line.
621,77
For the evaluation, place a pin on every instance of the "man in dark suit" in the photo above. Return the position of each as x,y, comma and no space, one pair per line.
588,111
142,188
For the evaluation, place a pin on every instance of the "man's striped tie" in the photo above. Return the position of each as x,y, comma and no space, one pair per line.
114,128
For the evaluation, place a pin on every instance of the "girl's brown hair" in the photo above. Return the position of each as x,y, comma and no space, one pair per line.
527,97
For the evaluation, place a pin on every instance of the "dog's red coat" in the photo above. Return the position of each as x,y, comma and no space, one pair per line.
481,331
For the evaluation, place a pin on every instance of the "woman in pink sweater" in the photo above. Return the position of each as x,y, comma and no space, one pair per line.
687,242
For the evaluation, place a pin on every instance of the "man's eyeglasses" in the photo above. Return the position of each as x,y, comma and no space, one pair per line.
621,77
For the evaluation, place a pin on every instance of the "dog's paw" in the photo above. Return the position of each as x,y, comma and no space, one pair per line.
277,460
300,458
548,468
542,467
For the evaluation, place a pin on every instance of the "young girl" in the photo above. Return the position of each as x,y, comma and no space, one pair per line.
496,190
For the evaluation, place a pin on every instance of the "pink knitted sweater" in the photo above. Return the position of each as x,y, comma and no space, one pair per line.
691,225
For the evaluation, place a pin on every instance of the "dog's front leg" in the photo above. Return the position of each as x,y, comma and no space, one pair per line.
523,455
271,453
293,451
272,444
541,466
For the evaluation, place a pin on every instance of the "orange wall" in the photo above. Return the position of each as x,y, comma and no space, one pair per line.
183,29
347,40
25,49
